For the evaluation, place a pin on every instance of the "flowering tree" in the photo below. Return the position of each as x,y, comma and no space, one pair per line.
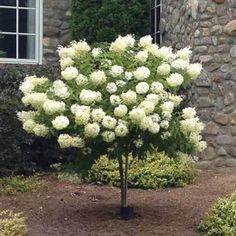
123,95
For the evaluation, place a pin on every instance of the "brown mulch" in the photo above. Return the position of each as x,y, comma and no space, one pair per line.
68,210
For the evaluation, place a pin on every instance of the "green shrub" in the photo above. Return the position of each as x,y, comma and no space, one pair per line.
19,184
221,219
103,20
155,171
12,224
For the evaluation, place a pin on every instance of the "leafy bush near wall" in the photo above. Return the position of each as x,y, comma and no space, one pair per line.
20,153
103,20
221,220
155,171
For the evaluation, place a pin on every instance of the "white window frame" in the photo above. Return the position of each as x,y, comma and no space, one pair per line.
38,35
157,7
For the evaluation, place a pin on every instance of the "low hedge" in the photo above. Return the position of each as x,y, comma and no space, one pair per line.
155,171
103,20
221,219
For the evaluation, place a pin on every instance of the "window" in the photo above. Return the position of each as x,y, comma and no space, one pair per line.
20,31
155,20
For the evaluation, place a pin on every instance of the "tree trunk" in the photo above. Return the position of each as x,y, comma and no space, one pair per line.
126,213
123,169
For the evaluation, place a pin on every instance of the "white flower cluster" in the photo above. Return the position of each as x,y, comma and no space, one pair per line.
128,89
192,127
121,44
31,82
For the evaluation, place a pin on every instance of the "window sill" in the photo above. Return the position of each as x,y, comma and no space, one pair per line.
21,61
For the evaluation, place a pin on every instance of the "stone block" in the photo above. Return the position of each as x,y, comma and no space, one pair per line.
222,119
230,28
229,99
204,164
232,3
221,152
211,128
203,80
224,140
206,59
233,118
219,162
233,51
230,162
204,102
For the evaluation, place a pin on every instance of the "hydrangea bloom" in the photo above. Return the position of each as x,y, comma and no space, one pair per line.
124,95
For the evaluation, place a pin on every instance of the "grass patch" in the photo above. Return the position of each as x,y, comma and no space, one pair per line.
221,219
19,184
12,224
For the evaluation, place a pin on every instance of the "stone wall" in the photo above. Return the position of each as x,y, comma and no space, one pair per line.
56,14
212,37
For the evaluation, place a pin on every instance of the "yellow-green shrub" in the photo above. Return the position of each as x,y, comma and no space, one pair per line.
221,219
12,224
155,171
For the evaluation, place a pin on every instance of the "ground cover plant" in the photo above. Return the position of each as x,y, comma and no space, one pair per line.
19,184
155,171
221,219
12,224
121,100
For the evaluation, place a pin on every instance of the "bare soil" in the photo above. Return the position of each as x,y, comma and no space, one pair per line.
68,210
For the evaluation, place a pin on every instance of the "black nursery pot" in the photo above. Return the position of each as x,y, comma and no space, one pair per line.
126,213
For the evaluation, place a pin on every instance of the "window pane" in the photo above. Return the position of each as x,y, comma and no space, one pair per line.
27,3
152,21
8,2
27,46
158,38
7,20
7,46
158,15
27,21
